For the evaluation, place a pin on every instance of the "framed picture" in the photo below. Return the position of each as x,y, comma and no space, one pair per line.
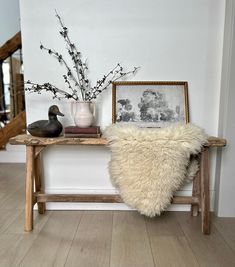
150,104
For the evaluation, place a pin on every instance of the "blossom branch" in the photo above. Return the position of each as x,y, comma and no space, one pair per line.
97,90
81,86
35,87
61,60
75,55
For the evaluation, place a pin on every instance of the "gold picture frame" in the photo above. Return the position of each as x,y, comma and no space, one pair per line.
150,103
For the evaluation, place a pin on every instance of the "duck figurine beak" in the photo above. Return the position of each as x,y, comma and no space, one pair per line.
59,113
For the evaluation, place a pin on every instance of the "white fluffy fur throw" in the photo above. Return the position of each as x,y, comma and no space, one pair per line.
149,165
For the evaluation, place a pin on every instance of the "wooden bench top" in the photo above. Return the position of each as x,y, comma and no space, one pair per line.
26,139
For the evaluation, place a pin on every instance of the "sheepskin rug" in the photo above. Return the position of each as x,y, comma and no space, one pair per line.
149,164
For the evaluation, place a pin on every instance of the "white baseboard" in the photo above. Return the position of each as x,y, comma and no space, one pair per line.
12,157
103,206
13,154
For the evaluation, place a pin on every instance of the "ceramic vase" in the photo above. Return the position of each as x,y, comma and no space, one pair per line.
83,113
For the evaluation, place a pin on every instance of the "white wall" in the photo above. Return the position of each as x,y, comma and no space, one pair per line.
9,19
170,40
225,175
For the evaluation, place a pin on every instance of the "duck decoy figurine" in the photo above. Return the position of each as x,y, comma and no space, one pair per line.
47,128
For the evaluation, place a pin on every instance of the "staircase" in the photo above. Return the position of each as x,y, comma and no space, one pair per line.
10,46
13,128
17,118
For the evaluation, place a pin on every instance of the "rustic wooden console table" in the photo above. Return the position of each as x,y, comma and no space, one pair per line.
35,192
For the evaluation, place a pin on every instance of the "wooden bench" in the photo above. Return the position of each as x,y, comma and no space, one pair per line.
35,194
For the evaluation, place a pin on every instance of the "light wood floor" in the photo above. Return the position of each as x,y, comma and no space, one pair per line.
106,238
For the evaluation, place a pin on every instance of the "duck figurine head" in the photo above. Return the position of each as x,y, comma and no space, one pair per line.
47,128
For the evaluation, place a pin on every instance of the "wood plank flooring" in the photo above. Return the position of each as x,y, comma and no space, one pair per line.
106,238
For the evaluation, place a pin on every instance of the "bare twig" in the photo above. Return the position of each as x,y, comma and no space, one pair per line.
57,93
81,84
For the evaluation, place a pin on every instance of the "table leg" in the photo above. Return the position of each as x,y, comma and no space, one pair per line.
38,182
29,188
205,193
196,192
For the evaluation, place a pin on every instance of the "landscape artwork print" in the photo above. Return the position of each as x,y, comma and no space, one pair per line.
150,104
